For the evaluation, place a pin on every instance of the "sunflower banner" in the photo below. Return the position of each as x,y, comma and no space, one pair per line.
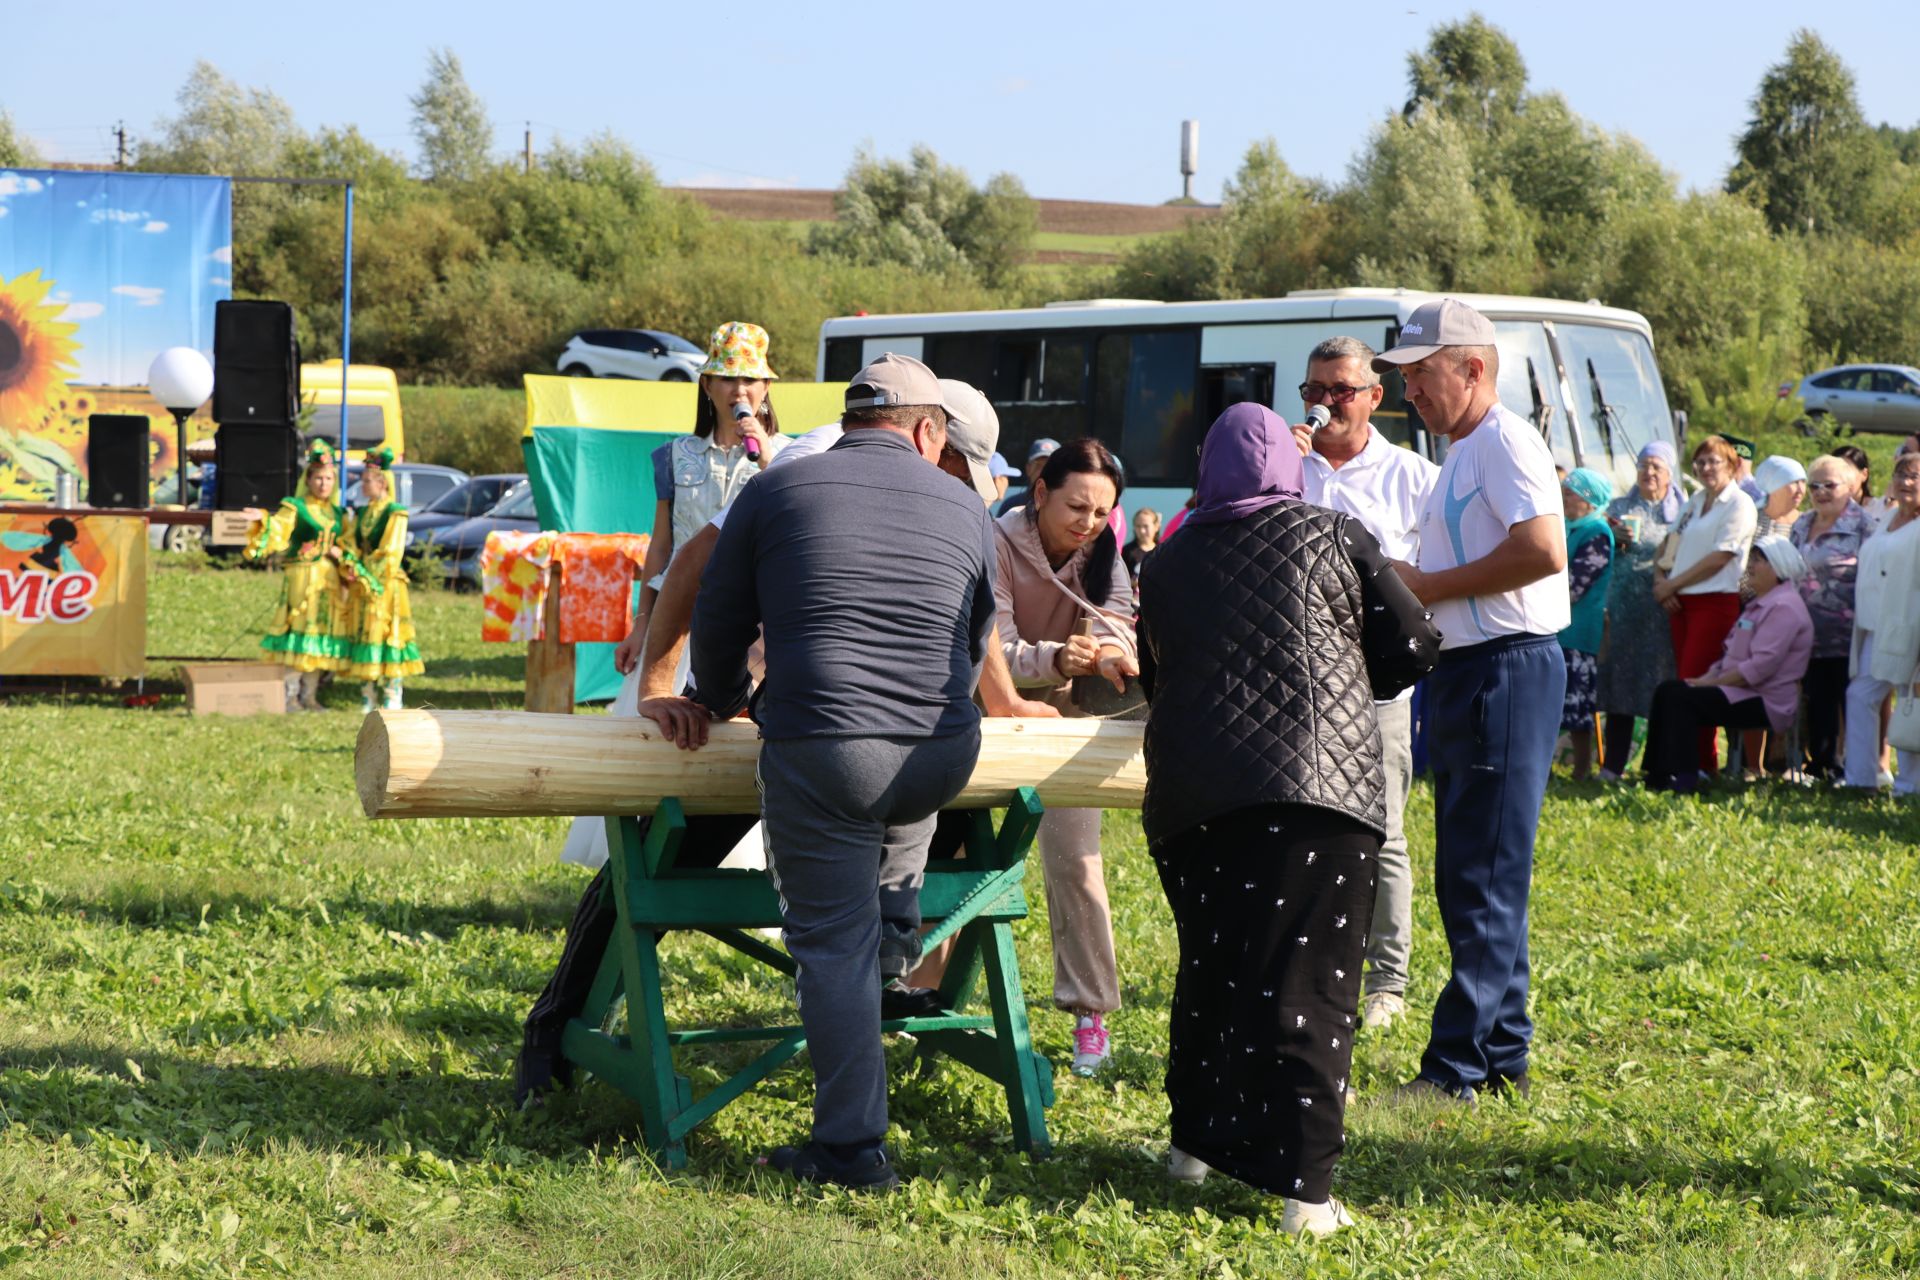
99,273
73,596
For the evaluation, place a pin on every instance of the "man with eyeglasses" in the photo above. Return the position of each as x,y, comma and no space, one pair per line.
1351,468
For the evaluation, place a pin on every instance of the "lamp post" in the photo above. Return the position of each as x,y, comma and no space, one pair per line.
181,379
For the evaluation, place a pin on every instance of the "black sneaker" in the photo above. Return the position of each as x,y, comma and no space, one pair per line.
1422,1092
908,1002
1500,1086
865,1169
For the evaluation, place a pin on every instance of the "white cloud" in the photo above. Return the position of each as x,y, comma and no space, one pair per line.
83,310
223,254
12,184
1012,85
222,281
142,295
99,216
154,227
3,211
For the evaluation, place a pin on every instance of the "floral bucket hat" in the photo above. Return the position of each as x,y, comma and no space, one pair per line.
738,350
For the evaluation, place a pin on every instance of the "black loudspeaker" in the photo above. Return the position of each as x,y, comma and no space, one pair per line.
117,460
256,363
254,465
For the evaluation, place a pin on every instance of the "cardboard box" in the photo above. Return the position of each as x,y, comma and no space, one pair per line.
228,529
235,688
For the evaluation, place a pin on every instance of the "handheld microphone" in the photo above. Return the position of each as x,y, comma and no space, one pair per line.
1318,417
741,413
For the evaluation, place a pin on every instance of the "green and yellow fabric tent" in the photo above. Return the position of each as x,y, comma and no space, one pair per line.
589,444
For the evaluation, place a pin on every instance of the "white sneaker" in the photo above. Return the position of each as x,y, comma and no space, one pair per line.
1882,780
1091,1045
1381,1009
1323,1219
1607,775
1182,1167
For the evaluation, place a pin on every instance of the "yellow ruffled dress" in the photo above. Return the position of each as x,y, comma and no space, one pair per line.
311,629
383,647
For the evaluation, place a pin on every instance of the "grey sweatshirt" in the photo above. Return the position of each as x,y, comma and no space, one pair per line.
872,575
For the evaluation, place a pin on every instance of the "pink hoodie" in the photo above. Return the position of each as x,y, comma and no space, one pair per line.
1036,617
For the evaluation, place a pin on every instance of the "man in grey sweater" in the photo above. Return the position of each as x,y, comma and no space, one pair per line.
870,573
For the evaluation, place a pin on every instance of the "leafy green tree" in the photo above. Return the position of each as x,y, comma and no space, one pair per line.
450,123
1863,299
1470,70
222,127
928,216
16,150
1807,158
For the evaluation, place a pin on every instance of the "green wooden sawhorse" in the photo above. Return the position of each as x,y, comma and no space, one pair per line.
976,898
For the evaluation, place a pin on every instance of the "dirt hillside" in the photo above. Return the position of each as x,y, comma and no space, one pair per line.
1080,217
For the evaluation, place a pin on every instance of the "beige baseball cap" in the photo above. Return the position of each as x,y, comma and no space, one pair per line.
973,429
894,381
1446,322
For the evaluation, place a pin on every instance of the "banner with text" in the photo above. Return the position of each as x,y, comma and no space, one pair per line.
73,596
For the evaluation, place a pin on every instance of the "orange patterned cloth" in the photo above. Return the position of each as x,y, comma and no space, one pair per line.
513,569
596,584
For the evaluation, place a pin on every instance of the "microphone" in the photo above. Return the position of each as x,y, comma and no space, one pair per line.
1318,417
741,413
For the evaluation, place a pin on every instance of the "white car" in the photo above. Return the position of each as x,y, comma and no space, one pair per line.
630,353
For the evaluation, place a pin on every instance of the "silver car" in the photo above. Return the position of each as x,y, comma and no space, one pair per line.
1870,397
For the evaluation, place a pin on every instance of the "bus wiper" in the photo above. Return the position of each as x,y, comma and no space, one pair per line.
1542,415
1604,413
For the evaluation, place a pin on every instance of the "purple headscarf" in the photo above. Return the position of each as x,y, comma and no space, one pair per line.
1247,463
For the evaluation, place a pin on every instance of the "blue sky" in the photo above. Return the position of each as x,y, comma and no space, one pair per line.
1080,101
139,261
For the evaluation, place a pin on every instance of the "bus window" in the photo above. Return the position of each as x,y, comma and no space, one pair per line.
1230,384
1144,403
965,356
842,360
1623,374
1529,384
1039,388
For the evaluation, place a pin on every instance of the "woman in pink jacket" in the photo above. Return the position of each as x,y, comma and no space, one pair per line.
1756,682
1066,610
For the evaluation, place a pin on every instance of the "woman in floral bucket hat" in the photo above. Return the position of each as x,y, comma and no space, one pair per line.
735,435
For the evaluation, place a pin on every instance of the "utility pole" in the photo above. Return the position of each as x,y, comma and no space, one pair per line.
120,140
529,148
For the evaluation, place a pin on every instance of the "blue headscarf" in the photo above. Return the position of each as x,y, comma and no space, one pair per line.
1669,506
1596,491
1248,462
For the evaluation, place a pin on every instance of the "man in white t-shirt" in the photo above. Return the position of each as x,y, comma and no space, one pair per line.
1493,569
1352,468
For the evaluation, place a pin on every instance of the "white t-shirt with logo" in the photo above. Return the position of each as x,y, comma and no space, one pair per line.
1498,476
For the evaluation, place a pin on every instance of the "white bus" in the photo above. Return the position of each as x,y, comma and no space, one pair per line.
1148,377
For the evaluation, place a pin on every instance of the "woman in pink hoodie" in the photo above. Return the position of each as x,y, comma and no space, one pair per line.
1066,606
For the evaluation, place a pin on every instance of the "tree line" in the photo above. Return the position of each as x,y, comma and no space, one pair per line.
469,271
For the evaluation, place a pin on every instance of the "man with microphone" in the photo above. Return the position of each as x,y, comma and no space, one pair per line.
1352,468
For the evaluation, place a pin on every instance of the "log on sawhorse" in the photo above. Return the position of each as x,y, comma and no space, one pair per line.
975,899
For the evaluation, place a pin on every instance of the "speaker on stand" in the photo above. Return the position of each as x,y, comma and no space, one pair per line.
118,454
256,363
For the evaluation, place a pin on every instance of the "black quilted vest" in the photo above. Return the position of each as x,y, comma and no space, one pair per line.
1260,686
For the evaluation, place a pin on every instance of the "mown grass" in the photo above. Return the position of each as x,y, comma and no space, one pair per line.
245,1032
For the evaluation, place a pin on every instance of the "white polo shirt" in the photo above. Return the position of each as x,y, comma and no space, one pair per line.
1726,525
1384,487
1500,475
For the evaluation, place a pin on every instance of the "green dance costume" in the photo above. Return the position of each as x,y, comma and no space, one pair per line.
381,643
311,629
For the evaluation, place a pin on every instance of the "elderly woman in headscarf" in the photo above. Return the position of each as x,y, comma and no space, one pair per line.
1756,682
1266,631
1583,496
1637,654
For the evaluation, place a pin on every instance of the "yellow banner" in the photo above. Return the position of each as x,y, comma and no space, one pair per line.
624,404
73,595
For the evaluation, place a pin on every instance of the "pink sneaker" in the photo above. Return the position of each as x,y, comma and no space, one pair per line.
1091,1045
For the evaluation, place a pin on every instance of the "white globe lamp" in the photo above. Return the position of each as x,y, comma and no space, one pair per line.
181,379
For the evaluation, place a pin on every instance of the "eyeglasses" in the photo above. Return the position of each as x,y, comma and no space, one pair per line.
1338,393
1709,462
1821,486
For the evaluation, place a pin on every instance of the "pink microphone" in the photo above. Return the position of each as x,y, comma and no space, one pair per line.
740,414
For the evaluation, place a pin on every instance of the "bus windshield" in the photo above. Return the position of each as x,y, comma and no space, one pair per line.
1623,374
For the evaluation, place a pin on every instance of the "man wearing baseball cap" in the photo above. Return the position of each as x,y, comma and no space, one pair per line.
871,577
1492,568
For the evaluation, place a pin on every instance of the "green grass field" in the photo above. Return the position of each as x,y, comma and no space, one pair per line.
245,1032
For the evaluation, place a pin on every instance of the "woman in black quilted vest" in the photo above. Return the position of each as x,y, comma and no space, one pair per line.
1267,629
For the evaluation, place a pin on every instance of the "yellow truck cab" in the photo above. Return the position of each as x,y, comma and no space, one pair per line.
373,406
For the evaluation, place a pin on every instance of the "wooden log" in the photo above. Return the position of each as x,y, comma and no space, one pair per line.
550,663
501,764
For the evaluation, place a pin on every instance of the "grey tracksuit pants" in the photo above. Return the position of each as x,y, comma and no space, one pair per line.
848,822
1392,939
